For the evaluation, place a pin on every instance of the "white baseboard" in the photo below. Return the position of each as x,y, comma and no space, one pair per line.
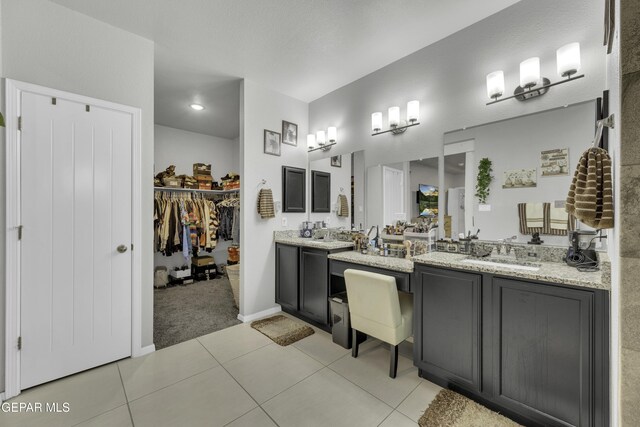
144,351
258,315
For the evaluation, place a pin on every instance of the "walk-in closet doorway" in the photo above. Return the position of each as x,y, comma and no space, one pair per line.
73,220
196,204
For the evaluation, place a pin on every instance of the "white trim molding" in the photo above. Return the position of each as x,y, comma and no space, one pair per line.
259,315
13,91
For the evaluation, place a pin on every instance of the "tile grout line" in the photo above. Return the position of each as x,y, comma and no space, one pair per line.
240,385
133,423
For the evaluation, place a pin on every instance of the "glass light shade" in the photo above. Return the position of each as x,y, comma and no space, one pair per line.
320,137
568,59
413,111
530,72
495,84
376,121
394,116
332,134
311,141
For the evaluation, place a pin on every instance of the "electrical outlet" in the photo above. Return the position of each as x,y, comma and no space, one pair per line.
484,208
285,223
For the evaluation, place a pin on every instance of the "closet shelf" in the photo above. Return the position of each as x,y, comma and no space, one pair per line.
195,190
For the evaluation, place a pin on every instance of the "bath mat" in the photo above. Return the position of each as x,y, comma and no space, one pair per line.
450,409
282,330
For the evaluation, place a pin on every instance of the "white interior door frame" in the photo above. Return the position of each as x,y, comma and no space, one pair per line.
13,91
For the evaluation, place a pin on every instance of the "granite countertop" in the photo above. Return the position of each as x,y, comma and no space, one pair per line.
388,263
311,243
552,272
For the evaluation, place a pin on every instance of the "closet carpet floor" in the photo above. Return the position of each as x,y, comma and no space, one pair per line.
238,377
182,313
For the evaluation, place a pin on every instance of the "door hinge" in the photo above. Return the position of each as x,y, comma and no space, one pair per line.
19,122
20,227
132,246
19,343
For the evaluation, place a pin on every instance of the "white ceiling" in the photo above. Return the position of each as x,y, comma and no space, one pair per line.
302,48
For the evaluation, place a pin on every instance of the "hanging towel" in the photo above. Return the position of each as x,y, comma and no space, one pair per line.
343,205
535,215
590,197
265,204
558,219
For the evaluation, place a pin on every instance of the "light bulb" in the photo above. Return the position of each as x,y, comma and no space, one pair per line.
376,122
568,59
332,134
530,72
394,116
413,111
311,141
495,84
197,107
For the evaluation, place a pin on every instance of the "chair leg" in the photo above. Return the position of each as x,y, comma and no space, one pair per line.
393,366
354,343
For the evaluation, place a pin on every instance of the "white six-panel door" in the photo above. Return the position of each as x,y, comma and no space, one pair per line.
75,210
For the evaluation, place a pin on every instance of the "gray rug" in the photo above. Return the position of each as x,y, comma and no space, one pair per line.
182,313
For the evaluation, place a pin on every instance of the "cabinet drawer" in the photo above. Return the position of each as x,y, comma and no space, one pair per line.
403,280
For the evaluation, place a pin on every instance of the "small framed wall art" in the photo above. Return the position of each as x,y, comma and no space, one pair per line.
272,142
336,161
289,133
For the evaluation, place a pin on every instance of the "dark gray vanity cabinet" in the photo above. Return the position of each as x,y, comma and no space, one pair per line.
537,352
314,288
447,325
544,350
287,276
302,282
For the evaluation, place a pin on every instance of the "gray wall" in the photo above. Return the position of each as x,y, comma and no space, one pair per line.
448,78
516,144
49,45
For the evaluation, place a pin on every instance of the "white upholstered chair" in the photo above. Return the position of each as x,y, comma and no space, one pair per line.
379,310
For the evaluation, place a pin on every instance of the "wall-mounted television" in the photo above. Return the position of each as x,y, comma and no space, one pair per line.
428,200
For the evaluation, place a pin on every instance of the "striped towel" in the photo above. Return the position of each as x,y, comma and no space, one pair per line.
535,215
569,222
265,204
590,197
558,218
343,205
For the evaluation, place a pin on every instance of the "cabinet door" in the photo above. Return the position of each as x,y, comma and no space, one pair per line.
447,325
314,289
294,183
287,259
543,348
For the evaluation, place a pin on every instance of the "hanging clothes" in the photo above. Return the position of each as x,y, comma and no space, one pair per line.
184,223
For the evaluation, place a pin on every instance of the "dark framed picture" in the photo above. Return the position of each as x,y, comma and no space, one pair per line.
336,161
272,142
289,133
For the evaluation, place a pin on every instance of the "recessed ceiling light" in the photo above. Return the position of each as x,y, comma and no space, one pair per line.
197,107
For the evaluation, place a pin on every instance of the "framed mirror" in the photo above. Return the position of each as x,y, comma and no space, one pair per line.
293,189
320,191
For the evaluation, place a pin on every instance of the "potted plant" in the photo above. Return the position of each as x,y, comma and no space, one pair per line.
484,179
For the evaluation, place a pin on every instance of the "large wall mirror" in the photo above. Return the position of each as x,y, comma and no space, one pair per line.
533,159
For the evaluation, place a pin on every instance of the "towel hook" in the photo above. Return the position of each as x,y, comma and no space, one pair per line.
606,122
341,189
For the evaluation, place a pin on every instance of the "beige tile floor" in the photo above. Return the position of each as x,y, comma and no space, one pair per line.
238,377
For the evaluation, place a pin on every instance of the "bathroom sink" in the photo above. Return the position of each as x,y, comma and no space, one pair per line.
504,263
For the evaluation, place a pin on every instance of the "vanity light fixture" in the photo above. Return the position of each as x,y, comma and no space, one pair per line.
396,126
319,140
532,84
197,107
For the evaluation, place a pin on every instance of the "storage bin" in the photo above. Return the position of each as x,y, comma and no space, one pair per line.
233,272
172,182
201,169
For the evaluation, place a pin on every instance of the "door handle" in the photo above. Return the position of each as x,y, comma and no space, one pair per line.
122,248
